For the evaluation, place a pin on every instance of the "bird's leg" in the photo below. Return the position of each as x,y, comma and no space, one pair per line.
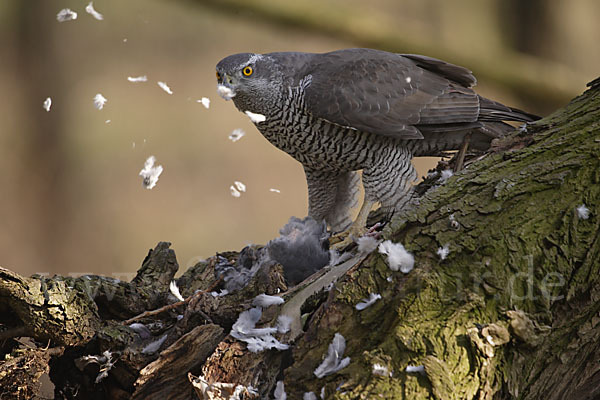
460,158
358,227
356,230
389,182
339,218
321,193
332,196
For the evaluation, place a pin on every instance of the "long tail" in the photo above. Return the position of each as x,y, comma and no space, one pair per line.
493,111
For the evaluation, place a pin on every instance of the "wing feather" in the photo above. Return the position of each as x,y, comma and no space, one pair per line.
388,94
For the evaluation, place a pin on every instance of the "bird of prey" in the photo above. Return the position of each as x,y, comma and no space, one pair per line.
361,109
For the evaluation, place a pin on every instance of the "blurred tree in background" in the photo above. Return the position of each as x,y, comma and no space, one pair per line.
71,200
38,190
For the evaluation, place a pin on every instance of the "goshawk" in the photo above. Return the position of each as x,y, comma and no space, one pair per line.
361,109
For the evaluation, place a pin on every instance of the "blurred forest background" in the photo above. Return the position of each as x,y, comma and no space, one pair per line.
71,200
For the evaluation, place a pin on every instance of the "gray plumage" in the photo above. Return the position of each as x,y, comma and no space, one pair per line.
361,109
301,248
237,275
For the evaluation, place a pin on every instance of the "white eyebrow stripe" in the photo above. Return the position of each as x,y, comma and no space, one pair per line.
253,58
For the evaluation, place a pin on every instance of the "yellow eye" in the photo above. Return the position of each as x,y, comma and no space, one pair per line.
218,76
247,71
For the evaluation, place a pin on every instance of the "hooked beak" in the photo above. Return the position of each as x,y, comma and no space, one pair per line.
225,87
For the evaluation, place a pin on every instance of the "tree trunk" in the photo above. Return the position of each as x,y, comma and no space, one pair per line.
511,312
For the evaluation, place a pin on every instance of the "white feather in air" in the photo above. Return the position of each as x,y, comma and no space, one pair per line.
90,10
66,14
236,135
234,191
165,87
99,101
205,102
150,173
240,186
47,104
142,78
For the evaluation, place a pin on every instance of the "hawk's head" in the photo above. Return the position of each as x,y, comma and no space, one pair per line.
253,81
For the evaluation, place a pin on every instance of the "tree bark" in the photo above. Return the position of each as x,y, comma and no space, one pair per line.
511,312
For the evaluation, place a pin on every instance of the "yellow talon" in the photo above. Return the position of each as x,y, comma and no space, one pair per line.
357,229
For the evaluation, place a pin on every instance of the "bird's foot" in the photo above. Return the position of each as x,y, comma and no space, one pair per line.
343,240
374,231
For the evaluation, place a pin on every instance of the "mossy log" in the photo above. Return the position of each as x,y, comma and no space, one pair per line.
511,312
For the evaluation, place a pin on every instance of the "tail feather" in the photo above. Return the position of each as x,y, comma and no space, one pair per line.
492,111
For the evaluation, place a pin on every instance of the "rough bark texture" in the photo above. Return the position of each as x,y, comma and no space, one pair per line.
162,378
511,312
